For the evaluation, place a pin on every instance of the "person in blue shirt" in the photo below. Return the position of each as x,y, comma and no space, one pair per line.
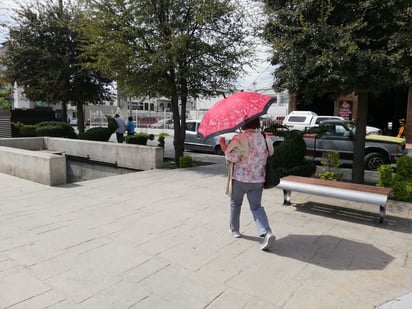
131,126
121,127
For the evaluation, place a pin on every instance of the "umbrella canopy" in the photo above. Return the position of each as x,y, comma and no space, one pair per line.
233,112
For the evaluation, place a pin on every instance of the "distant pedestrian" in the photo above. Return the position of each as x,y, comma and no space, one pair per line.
121,128
246,156
130,126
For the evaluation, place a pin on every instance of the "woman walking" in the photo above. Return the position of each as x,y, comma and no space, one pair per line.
246,157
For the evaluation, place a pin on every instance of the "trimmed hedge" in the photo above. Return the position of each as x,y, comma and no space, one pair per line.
140,138
55,129
47,128
401,181
96,134
289,156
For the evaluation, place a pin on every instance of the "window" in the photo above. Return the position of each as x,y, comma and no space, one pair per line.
191,126
297,119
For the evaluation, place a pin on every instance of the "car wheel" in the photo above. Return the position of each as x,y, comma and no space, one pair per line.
374,160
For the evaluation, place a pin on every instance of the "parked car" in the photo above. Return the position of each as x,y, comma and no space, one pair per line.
338,135
145,121
195,142
163,124
301,120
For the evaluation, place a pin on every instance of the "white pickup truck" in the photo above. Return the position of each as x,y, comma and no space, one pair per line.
301,120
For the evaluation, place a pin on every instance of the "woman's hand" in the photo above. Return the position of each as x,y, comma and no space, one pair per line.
222,142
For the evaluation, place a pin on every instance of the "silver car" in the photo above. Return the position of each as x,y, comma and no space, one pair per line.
195,142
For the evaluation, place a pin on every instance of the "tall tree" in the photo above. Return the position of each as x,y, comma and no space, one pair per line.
339,47
43,57
177,49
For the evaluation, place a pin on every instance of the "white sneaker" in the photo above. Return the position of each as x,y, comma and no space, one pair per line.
236,234
268,241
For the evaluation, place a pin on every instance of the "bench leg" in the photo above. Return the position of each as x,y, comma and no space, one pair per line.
382,210
286,197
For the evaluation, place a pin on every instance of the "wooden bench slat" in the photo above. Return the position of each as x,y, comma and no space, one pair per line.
340,184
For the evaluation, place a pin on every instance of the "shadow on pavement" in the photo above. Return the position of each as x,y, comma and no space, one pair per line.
332,252
370,218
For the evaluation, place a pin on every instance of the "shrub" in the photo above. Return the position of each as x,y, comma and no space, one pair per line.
385,176
96,134
24,130
161,139
401,181
402,190
289,156
55,129
46,128
404,168
140,138
111,124
330,160
186,161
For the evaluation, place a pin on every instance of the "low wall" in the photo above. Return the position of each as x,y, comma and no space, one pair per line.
42,167
27,143
136,157
38,159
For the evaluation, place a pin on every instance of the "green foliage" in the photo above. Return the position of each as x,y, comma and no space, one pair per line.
96,134
5,93
44,57
186,161
401,181
46,128
402,190
330,161
329,48
27,130
55,129
139,138
164,48
385,176
289,156
341,46
404,168
111,124
161,139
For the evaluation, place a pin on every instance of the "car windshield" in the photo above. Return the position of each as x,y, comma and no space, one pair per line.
351,126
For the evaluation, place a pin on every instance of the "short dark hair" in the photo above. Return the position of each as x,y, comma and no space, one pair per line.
117,115
252,124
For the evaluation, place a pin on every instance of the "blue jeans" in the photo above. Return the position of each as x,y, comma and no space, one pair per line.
253,192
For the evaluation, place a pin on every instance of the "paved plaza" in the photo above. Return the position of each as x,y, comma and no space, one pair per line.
160,239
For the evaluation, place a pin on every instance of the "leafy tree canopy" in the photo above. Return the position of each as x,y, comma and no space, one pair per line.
175,49
43,57
159,47
340,46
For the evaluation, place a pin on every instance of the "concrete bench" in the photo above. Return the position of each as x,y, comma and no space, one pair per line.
336,189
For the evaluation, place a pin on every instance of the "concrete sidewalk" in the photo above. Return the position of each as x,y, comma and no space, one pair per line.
160,239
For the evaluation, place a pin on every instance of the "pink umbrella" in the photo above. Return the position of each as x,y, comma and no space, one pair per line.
233,112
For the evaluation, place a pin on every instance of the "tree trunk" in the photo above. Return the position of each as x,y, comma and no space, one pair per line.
64,112
358,168
80,117
179,126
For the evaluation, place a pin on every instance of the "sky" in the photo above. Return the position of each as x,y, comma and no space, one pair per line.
258,78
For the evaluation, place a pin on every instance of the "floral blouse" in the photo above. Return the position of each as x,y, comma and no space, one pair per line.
251,168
